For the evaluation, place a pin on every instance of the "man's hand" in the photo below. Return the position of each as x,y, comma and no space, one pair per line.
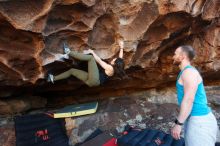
175,131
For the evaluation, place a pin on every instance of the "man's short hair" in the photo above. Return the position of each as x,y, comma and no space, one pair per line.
190,52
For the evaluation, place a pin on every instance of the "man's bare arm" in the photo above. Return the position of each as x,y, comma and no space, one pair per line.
190,84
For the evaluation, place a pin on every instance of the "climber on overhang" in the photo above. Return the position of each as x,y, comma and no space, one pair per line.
97,73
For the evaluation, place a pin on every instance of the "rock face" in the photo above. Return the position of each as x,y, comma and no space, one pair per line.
7,129
116,113
154,109
21,104
33,32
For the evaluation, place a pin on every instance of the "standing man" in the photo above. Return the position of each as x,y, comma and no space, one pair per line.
200,125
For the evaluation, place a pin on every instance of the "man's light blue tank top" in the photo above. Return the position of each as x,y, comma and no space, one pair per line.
200,106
